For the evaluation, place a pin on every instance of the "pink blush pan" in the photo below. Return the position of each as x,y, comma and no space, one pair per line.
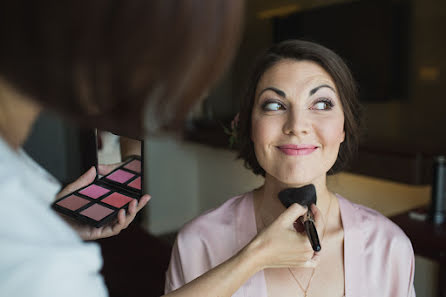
94,191
120,176
136,183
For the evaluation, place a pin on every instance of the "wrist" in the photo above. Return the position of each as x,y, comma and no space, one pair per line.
252,255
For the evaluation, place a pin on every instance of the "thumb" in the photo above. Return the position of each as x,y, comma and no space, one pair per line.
85,179
291,214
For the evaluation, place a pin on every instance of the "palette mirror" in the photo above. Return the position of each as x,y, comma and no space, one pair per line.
119,163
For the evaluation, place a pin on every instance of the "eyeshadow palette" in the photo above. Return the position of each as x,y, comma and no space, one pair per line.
99,203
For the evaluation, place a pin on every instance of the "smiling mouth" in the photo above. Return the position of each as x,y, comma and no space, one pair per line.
297,150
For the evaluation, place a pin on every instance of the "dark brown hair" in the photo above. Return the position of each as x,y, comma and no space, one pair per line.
302,51
105,61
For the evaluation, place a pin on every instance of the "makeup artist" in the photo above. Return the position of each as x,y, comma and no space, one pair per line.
298,123
105,64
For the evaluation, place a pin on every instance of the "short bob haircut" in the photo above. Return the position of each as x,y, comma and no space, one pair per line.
299,50
105,62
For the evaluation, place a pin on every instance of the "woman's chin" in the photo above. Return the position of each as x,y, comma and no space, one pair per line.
293,180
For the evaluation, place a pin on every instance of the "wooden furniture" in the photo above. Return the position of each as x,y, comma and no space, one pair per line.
429,241
135,263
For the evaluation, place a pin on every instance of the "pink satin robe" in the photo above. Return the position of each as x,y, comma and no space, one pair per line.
378,256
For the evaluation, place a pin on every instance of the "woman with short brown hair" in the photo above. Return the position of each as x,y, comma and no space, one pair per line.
298,123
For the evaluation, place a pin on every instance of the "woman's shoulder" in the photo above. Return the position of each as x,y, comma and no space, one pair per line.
371,242
369,221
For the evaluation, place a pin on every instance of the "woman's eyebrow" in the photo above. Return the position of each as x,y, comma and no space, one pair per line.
275,90
319,87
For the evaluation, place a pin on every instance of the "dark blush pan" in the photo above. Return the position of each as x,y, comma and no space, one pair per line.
73,202
96,212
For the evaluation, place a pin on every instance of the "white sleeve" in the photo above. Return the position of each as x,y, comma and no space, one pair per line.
41,256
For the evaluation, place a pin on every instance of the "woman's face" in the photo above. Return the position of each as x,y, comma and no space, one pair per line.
297,122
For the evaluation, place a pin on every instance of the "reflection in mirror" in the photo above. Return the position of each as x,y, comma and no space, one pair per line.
119,159
112,148
119,182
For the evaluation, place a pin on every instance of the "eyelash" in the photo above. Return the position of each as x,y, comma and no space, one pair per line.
327,101
267,102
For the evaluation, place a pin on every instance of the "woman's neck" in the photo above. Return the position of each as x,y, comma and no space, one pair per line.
269,206
17,115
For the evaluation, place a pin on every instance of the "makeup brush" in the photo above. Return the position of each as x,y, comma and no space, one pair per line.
305,196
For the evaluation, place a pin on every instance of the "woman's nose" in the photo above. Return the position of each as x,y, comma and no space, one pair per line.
297,122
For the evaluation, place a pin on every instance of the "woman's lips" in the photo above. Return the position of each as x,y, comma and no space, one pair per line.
297,150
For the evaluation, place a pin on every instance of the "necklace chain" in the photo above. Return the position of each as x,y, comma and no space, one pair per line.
314,269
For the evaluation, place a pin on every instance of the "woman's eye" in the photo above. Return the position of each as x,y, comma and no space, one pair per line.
272,106
323,105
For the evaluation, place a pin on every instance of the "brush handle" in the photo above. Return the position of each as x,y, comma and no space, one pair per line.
311,231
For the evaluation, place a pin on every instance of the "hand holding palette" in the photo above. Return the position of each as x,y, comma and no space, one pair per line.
98,203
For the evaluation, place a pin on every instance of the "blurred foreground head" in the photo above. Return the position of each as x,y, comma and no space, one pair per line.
105,62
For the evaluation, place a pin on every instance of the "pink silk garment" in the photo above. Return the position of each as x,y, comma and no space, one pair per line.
378,256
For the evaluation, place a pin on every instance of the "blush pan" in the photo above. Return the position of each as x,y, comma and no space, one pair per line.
96,212
120,176
94,191
117,200
73,202
136,183
134,165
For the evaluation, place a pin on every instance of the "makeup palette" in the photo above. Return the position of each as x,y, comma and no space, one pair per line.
99,203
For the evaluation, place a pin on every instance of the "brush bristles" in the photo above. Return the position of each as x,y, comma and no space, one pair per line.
304,196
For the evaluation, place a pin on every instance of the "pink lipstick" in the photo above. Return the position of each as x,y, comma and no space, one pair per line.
297,150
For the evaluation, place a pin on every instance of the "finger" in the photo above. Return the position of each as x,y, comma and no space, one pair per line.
120,224
299,226
313,262
291,214
131,213
85,179
318,219
122,217
98,233
115,228
132,208
143,201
